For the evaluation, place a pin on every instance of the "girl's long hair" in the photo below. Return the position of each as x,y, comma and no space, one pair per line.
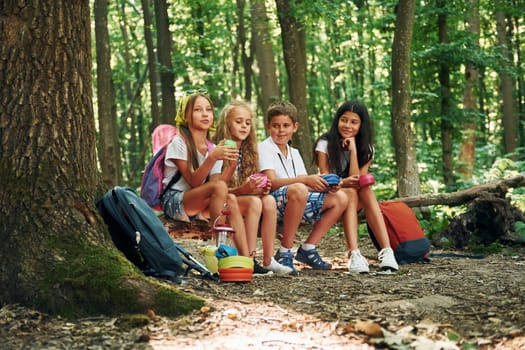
186,133
365,150
248,150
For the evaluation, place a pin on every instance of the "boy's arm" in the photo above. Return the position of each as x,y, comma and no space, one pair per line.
314,182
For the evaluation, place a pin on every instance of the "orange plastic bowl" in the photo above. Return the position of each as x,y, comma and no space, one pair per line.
235,274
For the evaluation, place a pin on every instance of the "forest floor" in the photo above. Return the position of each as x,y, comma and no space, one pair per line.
449,303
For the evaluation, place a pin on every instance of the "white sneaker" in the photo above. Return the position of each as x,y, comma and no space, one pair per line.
357,263
387,259
277,268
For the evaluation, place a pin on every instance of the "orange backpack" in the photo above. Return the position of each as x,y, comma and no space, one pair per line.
407,239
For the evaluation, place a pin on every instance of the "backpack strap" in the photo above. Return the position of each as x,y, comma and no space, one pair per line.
173,180
178,175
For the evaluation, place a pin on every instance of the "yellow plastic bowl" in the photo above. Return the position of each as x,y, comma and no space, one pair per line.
235,261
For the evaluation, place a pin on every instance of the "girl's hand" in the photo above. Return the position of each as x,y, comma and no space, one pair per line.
268,188
349,143
251,186
221,152
351,181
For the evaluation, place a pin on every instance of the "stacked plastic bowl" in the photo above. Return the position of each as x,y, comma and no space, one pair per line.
235,268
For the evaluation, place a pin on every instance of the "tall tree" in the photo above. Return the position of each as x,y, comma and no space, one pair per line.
152,65
446,104
264,52
57,256
294,51
109,149
167,77
467,153
510,118
403,135
246,59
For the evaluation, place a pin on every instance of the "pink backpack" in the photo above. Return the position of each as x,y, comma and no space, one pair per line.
162,135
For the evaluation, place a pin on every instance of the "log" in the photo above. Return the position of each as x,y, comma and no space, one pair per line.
498,188
198,229
201,229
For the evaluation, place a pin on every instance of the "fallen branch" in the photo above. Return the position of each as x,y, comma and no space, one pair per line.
499,188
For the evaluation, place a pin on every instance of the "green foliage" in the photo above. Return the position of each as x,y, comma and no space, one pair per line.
519,228
348,57
493,248
437,218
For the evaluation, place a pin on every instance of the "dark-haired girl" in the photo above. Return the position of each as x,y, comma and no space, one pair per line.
346,150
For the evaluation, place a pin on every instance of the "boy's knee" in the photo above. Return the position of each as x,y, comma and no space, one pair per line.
297,192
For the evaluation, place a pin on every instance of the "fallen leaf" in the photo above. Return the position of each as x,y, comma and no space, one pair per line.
369,328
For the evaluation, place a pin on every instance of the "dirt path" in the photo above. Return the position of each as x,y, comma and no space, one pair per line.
450,303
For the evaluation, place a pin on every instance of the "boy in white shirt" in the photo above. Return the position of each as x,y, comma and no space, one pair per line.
300,197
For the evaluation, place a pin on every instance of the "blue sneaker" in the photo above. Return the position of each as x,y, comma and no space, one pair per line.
286,259
312,258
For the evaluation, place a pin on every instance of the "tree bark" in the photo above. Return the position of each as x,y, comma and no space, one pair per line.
510,118
167,77
152,66
109,148
467,153
264,54
446,105
293,38
247,60
57,256
403,135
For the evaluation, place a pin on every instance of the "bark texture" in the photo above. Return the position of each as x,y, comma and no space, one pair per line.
294,50
56,254
403,134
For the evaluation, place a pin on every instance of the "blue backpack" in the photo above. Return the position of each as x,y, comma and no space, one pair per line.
151,189
142,237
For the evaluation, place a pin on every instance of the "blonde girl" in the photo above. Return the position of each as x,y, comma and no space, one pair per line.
236,123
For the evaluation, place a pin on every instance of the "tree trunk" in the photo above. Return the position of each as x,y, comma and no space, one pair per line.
520,76
167,78
403,135
245,58
510,118
264,53
293,38
109,149
57,256
444,80
152,66
467,153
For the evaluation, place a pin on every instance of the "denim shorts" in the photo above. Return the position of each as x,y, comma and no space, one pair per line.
173,206
312,211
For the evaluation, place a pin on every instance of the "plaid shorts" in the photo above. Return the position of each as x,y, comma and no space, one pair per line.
312,211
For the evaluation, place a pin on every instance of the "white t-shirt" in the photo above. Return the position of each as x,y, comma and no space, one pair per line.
177,149
322,146
271,158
